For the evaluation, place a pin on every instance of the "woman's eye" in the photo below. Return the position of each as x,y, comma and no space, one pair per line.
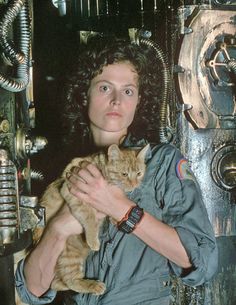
104,88
128,92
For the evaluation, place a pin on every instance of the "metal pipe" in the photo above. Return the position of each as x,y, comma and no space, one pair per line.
6,21
22,75
166,87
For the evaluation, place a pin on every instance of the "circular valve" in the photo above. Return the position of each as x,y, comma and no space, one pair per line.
222,62
223,167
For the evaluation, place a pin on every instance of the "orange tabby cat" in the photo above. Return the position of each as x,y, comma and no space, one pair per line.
122,167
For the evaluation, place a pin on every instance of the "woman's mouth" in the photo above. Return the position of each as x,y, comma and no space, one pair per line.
113,114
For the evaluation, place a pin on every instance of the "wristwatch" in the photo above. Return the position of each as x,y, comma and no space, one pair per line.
128,223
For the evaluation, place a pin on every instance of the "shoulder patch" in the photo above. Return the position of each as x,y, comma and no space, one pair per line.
183,170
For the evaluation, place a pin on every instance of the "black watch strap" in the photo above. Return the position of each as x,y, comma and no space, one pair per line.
131,219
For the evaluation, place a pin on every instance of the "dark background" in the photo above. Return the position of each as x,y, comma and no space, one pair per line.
54,48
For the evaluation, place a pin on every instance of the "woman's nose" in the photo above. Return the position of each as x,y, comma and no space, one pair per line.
115,98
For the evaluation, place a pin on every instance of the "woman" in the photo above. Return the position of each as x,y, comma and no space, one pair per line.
109,98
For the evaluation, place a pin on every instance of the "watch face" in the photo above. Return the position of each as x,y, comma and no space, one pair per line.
134,217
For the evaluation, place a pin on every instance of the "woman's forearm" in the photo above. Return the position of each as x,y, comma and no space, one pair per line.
163,239
156,234
40,264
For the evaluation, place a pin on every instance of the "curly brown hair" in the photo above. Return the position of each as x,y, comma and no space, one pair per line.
90,62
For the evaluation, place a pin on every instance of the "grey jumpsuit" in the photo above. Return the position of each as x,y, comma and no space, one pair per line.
134,273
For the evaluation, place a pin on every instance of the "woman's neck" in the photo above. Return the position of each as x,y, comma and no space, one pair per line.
105,139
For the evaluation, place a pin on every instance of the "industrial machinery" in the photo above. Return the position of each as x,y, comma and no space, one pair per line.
19,210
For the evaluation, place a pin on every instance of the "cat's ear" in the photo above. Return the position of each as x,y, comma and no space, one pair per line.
142,153
113,152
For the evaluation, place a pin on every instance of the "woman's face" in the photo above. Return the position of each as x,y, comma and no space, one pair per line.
113,97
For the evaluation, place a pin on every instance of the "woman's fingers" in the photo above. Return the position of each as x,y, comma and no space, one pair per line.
77,184
94,171
86,175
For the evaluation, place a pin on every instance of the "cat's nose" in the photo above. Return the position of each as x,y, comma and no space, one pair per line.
134,184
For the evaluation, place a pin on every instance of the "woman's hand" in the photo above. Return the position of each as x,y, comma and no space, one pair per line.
65,224
89,185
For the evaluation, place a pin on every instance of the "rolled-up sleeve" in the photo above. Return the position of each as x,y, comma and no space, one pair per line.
24,294
185,211
203,256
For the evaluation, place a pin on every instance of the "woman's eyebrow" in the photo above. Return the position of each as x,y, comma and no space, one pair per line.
111,83
131,85
103,81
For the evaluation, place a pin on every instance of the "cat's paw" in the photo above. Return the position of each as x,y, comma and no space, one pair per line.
87,286
94,245
95,248
98,288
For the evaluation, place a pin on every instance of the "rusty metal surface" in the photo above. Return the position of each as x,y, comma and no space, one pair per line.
200,146
197,86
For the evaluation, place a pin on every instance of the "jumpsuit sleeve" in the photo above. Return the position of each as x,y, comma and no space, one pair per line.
185,211
24,294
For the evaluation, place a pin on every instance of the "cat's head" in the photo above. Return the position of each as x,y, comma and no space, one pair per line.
126,166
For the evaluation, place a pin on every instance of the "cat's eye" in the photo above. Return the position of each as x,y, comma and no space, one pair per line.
125,174
139,174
